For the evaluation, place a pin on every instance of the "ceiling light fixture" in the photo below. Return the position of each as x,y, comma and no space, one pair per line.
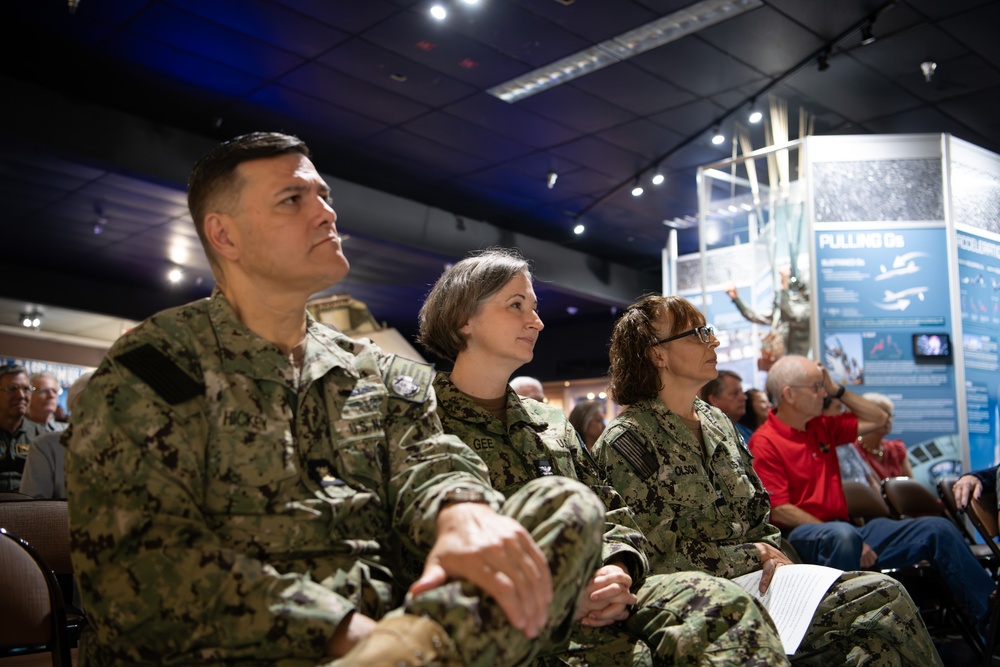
823,61
551,178
658,178
622,47
717,136
579,229
867,37
637,190
755,115
439,12
175,275
31,319
928,68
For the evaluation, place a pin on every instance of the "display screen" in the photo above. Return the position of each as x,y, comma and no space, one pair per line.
932,347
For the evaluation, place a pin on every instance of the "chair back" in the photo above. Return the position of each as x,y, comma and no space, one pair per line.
958,517
863,502
908,499
33,616
8,496
44,524
983,513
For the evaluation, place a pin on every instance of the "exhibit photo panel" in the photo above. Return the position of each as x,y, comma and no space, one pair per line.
883,271
974,181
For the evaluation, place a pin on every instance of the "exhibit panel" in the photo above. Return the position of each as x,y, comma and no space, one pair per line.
974,183
897,250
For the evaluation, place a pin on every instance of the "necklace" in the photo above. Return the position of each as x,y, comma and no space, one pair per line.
878,453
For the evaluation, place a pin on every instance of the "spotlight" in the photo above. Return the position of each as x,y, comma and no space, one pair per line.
471,2
175,275
637,191
866,35
578,229
928,67
658,178
31,319
551,178
823,61
755,116
439,12
717,136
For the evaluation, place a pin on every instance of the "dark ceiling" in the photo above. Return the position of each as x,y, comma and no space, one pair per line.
106,108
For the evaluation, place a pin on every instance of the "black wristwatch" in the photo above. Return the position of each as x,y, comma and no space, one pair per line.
463,494
840,392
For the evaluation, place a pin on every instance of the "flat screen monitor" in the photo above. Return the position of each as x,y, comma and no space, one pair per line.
932,348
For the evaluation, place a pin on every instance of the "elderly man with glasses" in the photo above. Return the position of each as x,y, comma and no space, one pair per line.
16,432
795,456
44,401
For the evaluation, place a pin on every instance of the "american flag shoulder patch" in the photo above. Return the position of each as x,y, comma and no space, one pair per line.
635,453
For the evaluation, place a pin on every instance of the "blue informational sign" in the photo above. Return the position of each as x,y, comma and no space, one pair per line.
884,325
979,289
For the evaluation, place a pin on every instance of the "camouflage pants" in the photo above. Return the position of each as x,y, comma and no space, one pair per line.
566,520
866,618
687,618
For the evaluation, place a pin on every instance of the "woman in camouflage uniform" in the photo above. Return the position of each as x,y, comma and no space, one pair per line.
687,476
482,315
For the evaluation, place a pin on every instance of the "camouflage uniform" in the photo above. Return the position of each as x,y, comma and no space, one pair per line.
226,509
702,508
686,619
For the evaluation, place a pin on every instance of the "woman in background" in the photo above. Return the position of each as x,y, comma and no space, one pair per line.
587,417
886,457
758,406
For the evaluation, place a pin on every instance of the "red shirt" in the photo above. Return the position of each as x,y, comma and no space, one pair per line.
800,467
891,464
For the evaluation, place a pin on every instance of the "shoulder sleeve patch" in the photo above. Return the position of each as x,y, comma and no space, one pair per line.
635,453
164,376
408,379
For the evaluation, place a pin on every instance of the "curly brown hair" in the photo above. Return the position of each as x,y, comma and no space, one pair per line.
458,295
633,376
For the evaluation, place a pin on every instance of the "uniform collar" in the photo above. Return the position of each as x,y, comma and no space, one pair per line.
244,352
458,405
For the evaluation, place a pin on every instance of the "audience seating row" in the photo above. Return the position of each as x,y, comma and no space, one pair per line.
36,628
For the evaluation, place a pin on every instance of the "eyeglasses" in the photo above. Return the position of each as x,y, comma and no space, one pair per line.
705,334
814,387
19,389
55,391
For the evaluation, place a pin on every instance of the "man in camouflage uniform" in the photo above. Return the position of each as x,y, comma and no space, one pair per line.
242,480
686,618
703,508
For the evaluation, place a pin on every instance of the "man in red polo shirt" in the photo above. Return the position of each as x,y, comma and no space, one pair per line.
795,456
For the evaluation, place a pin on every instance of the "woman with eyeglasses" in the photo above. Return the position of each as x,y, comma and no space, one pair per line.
887,458
687,477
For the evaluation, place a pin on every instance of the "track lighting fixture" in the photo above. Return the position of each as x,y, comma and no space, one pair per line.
823,61
578,229
717,136
550,179
439,12
658,178
867,37
31,319
637,189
